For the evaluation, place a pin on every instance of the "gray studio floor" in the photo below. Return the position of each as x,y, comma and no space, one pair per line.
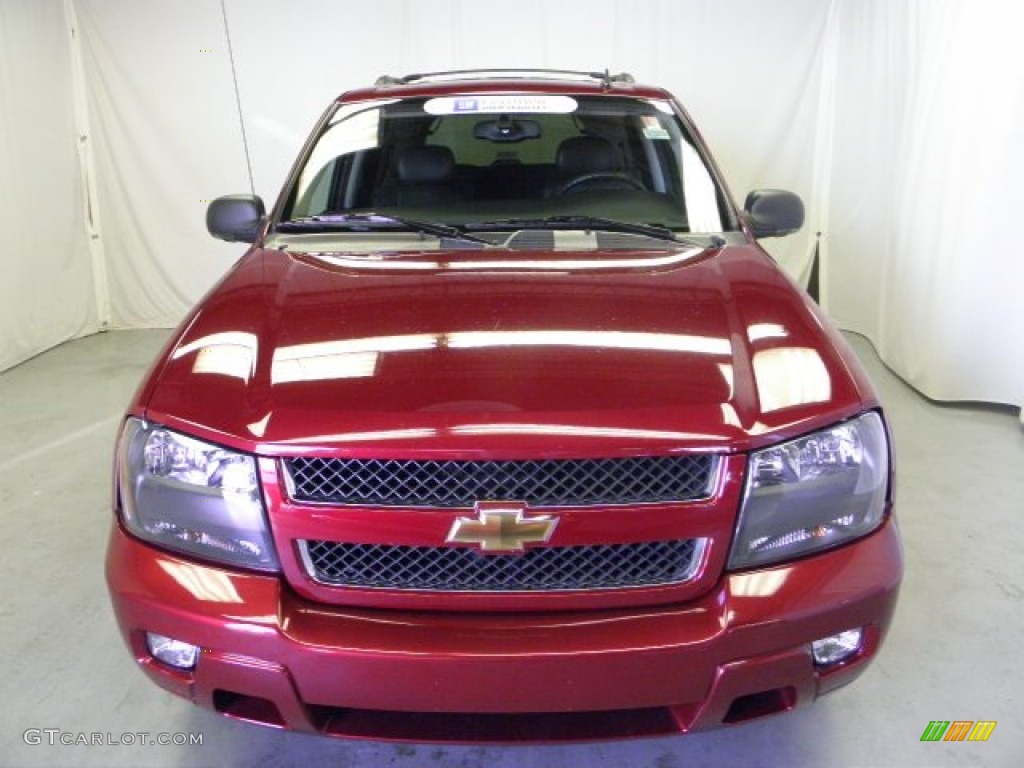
954,652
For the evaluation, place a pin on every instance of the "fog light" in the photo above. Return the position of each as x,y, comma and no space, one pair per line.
832,650
172,652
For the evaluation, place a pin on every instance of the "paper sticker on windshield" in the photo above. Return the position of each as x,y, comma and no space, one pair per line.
500,103
653,129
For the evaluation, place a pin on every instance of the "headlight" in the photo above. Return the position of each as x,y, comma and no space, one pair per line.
192,497
813,493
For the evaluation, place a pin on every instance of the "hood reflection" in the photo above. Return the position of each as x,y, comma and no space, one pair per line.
358,358
790,376
227,354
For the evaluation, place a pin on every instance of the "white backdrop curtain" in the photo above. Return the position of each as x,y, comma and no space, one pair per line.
923,253
47,294
893,119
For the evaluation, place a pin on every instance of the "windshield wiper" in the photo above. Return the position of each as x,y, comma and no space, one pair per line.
655,231
372,221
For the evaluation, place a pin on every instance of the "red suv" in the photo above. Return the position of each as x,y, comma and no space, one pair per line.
504,428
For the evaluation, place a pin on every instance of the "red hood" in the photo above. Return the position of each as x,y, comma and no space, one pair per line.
445,356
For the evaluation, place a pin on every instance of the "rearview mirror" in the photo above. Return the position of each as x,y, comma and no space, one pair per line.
774,212
235,218
505,130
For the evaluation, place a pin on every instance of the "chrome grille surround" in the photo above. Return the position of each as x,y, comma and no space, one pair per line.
448,484
462,569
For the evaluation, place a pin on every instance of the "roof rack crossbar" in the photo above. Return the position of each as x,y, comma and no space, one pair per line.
605,77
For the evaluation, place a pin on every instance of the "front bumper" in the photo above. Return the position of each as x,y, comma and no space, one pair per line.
739,652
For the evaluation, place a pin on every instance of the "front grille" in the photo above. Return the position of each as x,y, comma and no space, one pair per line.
540,483
452,569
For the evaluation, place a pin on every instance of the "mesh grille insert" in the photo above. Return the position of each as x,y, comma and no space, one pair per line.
455,569
548,482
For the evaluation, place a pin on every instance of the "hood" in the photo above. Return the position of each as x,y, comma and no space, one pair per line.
448,355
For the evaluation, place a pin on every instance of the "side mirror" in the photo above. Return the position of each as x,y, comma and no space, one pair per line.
235,218
774,212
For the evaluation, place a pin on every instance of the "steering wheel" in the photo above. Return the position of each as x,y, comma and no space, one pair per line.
600,176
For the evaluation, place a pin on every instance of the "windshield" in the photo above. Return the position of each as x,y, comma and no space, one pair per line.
503,161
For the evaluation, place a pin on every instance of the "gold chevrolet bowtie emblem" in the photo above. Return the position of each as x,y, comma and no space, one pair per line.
501,527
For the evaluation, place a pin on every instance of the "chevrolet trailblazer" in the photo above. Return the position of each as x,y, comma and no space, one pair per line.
504,428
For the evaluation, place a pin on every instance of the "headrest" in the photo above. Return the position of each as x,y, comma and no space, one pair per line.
426,165
587,154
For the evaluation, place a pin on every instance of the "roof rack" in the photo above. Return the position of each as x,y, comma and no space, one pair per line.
605,78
